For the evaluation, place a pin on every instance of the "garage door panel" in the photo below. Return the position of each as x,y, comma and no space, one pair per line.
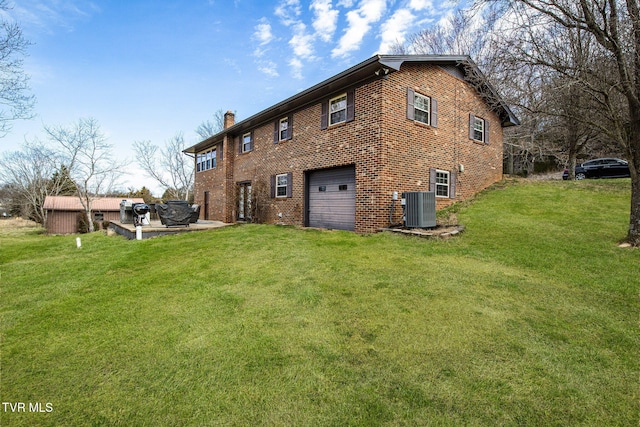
332,198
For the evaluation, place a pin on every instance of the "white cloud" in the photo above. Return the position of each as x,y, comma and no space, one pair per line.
301,42
421,5
288,11
325,18
263,32
269,68
360,21
395,29
296,68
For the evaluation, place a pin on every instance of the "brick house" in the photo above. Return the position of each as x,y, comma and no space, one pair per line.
333,155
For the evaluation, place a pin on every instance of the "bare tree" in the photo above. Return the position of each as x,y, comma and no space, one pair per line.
167,165
31,176
15,103
609,75
212,126
88,157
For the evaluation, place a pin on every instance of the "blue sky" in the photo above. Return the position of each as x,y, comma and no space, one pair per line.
146,70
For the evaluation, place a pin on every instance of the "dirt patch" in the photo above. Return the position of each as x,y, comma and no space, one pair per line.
439,232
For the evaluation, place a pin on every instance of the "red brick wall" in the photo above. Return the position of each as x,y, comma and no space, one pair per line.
390,152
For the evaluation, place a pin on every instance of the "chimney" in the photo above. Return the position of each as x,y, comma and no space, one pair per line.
229,119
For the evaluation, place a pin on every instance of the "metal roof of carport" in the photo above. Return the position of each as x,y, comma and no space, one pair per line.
369,69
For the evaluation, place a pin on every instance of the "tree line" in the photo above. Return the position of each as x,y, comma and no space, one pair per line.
570,69
77,160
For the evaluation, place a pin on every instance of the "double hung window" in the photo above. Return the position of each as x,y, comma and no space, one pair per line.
478,129
442,183
281,185
338,109
422,108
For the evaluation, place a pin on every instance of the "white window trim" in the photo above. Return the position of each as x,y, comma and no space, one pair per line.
330,112
281,130
206,160
441,185
278,185
478,120
417,95
246,143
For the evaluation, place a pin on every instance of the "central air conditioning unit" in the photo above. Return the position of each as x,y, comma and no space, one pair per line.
419,209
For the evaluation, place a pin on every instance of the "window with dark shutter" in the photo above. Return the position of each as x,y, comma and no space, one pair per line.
290,127
351,105
434,112
486,131
410,108
246,142
477,129
282,185
276,131
324,117
421,108
452,184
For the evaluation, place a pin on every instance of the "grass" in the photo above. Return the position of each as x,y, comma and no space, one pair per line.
530,317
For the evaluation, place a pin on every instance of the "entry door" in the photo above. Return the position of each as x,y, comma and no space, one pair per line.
332,198
244,201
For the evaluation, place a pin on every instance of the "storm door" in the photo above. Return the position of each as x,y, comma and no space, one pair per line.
244,201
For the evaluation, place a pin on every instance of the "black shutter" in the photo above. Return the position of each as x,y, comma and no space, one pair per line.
351,95
432,179
289,184
452,184
324,117
486,131
434,112
410,108
472,120
239,138
273,186
290,127
276,131
251,141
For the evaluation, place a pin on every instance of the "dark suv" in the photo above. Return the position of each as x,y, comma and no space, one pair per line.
600,168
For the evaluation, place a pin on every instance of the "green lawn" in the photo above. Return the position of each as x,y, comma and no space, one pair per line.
529,317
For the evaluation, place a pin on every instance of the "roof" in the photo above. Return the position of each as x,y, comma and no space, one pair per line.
376,66
72,203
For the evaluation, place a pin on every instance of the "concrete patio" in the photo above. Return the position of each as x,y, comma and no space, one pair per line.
156,229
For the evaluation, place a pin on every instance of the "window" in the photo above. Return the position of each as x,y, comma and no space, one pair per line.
422,105
283,129
338,109
206,160
247,143
98,216
422,108
442,183
281,185
283,132
478,129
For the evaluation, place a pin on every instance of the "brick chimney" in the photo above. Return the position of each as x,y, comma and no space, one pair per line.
229,119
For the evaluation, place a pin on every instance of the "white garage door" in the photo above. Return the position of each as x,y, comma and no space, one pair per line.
332,198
